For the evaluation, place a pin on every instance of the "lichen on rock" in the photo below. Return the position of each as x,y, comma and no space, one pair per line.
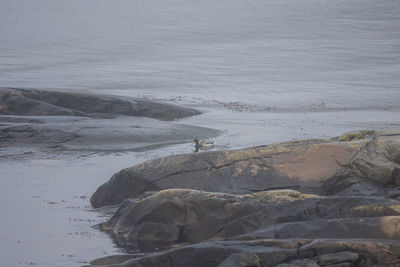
310,203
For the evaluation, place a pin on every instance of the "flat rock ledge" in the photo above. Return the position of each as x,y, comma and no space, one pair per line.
37,121
32,102
329,202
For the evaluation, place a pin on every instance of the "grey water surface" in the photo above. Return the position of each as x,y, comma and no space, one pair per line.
273,53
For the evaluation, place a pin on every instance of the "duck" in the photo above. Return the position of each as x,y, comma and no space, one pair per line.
203,145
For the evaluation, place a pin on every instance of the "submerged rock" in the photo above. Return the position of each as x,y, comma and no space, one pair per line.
368,160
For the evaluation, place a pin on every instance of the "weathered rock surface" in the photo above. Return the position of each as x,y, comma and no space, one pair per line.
118,134
363,162
176,216
81,122
312,203
29,102
386,227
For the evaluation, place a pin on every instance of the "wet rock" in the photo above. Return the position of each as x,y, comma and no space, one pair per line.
30,102
315,166
66,121
88,134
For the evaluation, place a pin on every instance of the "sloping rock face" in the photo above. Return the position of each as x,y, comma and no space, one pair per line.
64,121
49,103
338,205
362,161
176,216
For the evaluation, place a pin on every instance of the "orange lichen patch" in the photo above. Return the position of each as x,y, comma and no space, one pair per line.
317,162
238,170
376,210
357,135
254,169
282,195
388,143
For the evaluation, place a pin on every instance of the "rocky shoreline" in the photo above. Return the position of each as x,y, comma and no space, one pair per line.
332,202
317,202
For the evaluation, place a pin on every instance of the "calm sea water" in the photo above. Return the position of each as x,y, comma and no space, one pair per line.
269,53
